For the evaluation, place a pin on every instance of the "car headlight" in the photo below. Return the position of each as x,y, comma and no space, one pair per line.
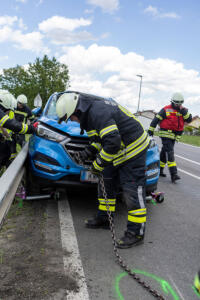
49,134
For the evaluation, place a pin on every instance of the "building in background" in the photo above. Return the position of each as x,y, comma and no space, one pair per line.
145,117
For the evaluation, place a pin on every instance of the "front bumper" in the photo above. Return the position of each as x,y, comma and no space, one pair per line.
55,162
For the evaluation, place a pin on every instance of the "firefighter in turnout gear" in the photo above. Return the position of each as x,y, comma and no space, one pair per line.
22,114
6,104
171,119
119,144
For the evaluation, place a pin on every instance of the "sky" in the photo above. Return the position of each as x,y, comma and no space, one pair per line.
107,43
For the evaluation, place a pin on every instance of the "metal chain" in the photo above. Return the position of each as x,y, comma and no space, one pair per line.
120,260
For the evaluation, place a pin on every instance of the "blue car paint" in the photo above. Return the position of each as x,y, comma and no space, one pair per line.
152,157
66,165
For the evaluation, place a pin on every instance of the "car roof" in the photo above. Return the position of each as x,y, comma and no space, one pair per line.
86,95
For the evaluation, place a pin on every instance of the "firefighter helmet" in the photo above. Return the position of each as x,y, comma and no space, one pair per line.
6,99
66,106
22,99
177,99
14,103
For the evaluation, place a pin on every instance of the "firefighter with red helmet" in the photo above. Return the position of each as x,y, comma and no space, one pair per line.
119,144
171,119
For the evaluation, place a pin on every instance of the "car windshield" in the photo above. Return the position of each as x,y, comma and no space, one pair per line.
51,108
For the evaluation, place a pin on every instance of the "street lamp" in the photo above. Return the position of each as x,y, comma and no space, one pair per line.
139,91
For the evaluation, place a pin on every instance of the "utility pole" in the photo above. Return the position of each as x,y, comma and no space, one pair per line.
139,91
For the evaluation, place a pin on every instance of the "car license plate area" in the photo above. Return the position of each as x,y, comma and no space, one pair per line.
87,176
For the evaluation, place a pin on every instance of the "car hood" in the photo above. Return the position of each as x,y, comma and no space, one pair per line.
72,128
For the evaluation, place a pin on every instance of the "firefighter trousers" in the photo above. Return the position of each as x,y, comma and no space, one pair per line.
4,153
167,155
130,178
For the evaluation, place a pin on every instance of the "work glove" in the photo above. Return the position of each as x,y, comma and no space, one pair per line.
150,132
97,166
85,154
183,111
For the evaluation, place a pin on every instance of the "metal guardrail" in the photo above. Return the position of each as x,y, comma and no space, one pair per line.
10,181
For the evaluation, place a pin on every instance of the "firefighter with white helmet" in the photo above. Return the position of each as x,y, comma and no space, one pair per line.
118,150
171,119
22,114
6,104
22,99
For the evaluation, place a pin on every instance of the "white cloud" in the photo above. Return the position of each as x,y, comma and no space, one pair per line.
106,5
63,23
153,11
106,71
7,20
60,30
32,41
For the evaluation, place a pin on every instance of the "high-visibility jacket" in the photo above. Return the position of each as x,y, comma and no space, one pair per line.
14,125
22,114
171,121
112,129
174,119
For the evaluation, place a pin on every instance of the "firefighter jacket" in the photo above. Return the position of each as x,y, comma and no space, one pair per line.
115,133
22,114
171,121
14,125
7,133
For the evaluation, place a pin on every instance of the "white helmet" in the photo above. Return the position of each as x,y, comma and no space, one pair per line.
14,103
6,99
22,99
66,105
177,99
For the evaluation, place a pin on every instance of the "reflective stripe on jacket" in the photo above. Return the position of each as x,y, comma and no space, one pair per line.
174,120
14,125
119,133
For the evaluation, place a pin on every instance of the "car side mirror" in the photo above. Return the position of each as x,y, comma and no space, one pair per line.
37,111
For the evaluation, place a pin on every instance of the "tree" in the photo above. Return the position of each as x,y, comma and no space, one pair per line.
45,76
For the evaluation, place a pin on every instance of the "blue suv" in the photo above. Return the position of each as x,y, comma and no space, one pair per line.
52,151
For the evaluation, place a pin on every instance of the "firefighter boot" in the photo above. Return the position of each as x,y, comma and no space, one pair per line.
97,222
129,239
161,172
175,177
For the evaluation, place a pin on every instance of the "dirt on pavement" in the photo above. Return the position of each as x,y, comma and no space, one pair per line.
31,265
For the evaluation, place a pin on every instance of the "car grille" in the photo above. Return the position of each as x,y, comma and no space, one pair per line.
74,145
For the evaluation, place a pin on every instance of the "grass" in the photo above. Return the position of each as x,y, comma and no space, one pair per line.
191,139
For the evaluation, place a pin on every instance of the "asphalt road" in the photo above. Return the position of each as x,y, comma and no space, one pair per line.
170,255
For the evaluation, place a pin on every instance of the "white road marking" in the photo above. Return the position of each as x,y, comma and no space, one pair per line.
192,161
72,260
190,174
189,145
180,294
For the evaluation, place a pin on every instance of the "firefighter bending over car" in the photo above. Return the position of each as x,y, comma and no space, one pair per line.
119,144
8,122
171,119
